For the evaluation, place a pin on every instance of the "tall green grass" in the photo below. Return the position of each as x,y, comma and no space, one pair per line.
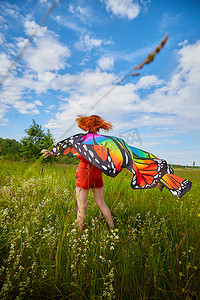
153,252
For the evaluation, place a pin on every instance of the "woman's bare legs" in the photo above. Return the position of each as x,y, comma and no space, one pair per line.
82,196
98,196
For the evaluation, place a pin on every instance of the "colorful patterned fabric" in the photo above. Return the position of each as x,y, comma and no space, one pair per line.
111,154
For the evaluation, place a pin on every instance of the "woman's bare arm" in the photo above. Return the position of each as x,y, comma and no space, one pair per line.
46,153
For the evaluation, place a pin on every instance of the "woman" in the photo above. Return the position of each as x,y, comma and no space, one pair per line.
88,176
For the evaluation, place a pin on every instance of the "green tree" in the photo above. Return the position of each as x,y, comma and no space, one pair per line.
35,141
10,149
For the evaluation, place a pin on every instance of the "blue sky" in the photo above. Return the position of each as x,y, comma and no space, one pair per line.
83,49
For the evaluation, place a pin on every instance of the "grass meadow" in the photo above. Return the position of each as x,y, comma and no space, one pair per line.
153,252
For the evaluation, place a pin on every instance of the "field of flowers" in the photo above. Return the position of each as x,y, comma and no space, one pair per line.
153,252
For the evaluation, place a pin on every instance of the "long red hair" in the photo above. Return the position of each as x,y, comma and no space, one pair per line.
93,123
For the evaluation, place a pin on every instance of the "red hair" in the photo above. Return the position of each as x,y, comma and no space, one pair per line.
93,123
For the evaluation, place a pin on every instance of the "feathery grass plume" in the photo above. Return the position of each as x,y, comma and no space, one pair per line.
151,56
136,74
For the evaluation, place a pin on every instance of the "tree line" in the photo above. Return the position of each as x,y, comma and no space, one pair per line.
30,146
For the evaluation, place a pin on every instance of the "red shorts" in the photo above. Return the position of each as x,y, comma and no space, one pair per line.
88,176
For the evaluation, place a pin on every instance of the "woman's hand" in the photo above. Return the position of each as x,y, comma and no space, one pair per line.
46,153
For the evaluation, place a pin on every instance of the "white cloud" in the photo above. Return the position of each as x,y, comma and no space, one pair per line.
85,89
174,106
184,43
4,63
91,42
140,53
47,55
46,77
106,63
49,108
83,13
11,96
31,26
1,38
57,18
123,8
41,62
148,81
71,8
25,108
43,82
69,24
180,96
3,111
4,122
84,61
2,21
83,83
38,102
8,9
87,43
168,20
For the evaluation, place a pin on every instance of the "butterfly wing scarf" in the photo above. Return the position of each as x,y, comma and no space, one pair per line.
111,154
